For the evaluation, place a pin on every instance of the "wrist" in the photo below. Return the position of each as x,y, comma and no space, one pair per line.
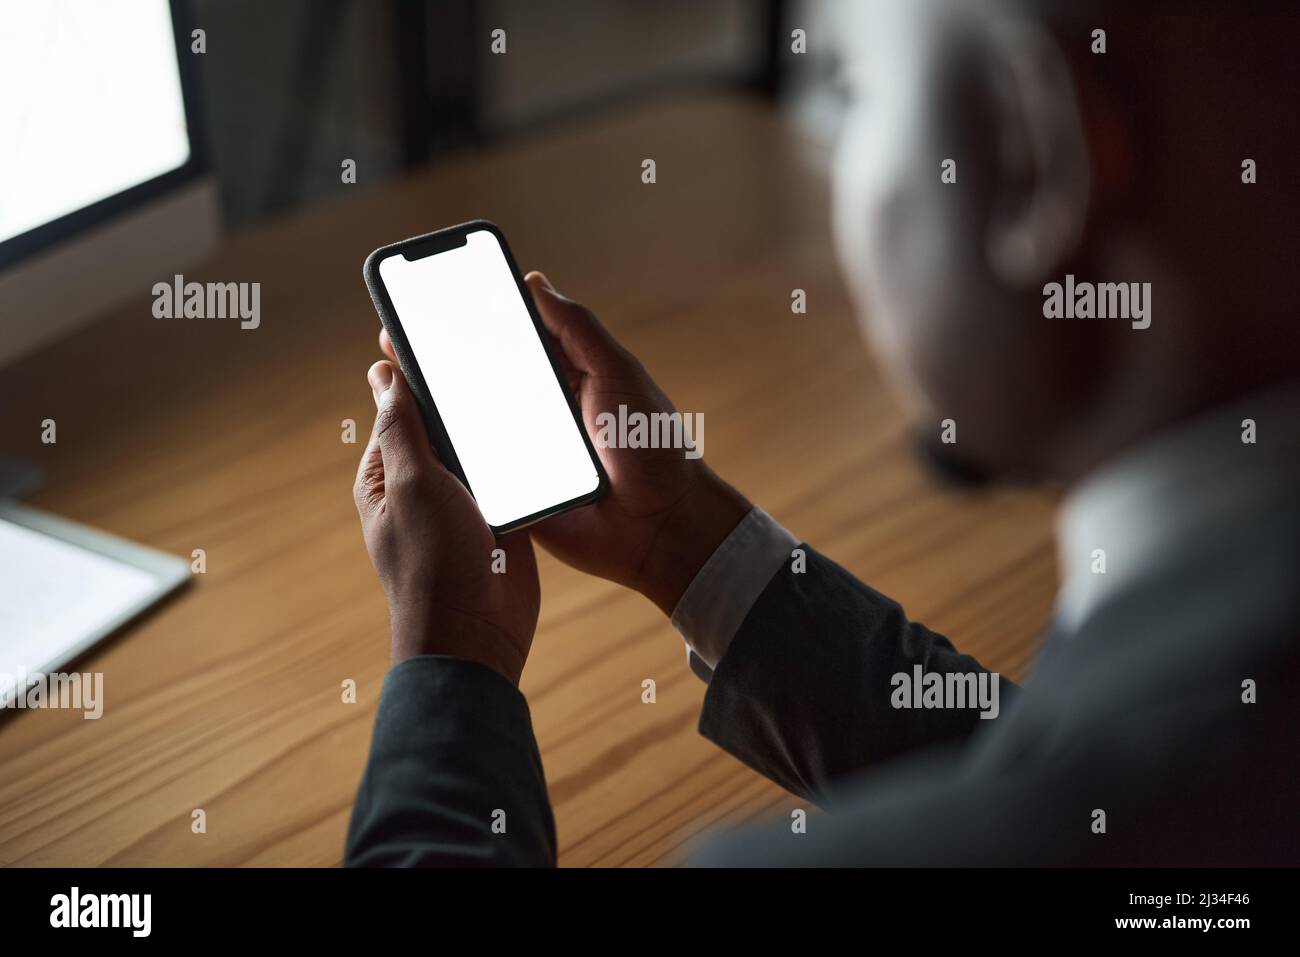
709,512
455,635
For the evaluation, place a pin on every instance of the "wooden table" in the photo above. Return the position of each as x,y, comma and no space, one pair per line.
197,434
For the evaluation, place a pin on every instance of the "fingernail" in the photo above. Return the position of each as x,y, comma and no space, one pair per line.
546,282
381,377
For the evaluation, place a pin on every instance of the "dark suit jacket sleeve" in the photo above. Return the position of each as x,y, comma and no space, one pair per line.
802,694
453,753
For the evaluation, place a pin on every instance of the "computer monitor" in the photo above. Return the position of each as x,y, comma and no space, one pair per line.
103,185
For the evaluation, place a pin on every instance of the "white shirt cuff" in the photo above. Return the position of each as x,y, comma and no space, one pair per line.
715,604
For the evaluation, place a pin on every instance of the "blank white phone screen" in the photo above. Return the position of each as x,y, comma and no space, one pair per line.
505,412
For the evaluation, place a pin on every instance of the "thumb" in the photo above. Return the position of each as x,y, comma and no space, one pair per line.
586,343
399,433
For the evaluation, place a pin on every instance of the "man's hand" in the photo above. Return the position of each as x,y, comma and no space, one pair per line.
664,514
433,551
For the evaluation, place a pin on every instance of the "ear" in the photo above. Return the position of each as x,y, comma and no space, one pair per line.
1041,171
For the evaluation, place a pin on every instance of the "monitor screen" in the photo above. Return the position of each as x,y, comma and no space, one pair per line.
92,106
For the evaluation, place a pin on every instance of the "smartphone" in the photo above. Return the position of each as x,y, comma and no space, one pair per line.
475,353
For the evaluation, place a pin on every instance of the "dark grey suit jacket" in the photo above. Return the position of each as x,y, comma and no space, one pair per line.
1138,714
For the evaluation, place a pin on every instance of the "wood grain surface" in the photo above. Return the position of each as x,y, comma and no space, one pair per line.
189,434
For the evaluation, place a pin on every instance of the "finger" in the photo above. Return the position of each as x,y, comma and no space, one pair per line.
584,341
399,431
386,344
518,547
368,488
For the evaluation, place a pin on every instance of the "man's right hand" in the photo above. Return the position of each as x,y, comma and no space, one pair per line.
664,514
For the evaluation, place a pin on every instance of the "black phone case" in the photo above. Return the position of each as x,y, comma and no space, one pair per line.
418,247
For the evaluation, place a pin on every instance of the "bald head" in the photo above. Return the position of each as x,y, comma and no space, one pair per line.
995,153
